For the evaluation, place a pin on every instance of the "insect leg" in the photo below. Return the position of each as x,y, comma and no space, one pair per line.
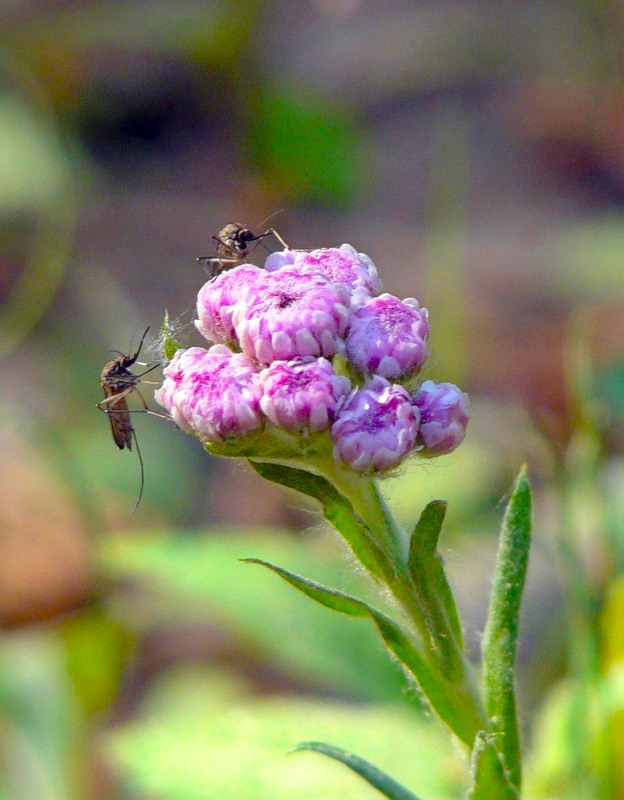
114,398
278,237
147,410
217,264
138,450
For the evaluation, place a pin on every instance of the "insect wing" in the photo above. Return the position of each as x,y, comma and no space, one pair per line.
215,265
117,382
119,418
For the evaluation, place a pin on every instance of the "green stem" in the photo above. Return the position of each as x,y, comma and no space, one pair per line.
445,656
383,549
454,672
369,505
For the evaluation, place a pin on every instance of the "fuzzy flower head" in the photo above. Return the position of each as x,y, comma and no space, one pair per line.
286,314
443,417
310,355
376,428
302,394
342,265
213,393
388,337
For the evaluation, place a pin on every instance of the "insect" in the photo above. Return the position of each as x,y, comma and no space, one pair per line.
117,382
232,246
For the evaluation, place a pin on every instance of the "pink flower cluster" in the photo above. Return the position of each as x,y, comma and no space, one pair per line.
310,344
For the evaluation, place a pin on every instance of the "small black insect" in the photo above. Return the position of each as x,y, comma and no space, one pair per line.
117,382
232,247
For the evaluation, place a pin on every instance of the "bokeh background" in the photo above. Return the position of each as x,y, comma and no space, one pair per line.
475,150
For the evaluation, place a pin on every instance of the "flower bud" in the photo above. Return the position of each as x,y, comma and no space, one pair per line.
286,314
388,337
376,427
214,393
183,362
216,301
342,265
443,417
302,394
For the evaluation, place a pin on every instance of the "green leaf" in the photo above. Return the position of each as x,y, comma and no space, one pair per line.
330,598
440,693
337,510
170,345
427,570
427,531
501,633
372,774
197,575
488,779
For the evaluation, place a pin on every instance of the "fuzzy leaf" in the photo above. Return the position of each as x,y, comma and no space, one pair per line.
337,510
501,633
371,774
488,778
169,344
440,693
426,567
428,527
195,574
330,598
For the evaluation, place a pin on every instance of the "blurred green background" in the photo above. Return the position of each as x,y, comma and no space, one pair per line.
476,152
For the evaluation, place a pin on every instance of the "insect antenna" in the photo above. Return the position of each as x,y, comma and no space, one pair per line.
266,219
136,355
